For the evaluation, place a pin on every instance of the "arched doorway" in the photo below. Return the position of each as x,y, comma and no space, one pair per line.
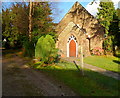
72,47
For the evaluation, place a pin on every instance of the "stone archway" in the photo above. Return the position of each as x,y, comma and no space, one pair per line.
72,47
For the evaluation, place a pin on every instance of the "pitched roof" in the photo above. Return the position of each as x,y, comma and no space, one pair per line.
76,10
77,5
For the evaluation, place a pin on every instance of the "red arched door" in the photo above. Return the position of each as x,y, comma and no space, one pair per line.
72,49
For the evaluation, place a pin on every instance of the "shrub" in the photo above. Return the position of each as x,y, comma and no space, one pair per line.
108,45
28,48
97,51
45,49
38,64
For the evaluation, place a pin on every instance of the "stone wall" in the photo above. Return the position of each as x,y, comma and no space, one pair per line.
79,22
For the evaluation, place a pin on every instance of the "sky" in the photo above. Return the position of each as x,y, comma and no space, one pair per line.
63,6
92,9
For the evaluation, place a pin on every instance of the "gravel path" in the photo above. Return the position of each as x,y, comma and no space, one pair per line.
20,80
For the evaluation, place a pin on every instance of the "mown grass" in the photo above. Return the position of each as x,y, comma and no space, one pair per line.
91,84
107,62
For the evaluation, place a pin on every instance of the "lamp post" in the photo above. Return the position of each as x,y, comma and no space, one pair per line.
4,40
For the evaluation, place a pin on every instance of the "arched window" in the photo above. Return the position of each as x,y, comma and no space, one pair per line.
72,37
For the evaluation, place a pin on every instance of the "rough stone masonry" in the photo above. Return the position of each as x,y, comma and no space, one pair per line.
78,28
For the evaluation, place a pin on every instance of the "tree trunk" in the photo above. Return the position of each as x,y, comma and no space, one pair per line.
30,21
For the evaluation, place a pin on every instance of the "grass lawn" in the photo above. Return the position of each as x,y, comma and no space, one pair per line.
107,62
92,84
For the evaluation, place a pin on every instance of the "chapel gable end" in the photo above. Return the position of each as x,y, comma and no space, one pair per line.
79,16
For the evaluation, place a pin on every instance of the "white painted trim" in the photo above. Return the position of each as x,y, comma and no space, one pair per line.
67,49
68,43
76,49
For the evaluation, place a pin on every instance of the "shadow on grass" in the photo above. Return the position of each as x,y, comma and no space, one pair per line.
9,51
117,55
92,83
116,61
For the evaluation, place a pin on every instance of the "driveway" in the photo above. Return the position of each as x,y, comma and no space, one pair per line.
20,80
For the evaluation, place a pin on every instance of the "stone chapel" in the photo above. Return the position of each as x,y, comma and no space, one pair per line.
78,28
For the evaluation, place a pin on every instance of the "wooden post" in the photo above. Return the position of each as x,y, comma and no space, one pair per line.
81,60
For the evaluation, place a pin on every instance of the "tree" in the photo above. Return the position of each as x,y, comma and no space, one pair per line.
105,15
114,31
30,19
9,31
118,14
24,23
42,21
15,24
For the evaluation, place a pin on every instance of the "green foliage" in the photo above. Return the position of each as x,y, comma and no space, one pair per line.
105,13
45,49
9,32
14,24
108,45
118,14
20,20
29,48
37,65
114,29
42,21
